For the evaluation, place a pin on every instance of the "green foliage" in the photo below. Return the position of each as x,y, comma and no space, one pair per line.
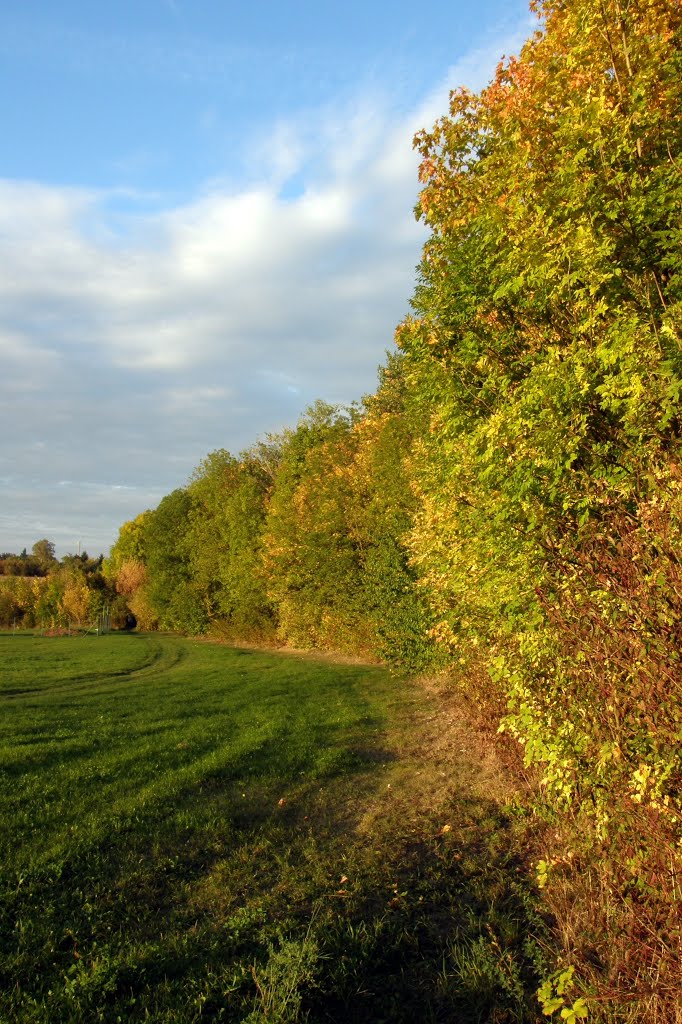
552,996
310,561
43,553
10,609
545,351
336,566
225,540
383,506
129,546
171,591
42,561
302,537
290,967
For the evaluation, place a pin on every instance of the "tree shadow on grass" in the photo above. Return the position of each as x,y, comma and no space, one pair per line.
444,929
333,925
284,900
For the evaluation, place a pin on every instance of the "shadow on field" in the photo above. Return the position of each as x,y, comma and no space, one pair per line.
302,911
320,873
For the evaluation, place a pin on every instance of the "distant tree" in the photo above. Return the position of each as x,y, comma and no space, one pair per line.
75,600
48,609
225,539
21,565
129,546
10,609
131,576
83,562
310,562
171,592
44,553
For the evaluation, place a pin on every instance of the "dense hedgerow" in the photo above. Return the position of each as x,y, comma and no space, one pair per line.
547,351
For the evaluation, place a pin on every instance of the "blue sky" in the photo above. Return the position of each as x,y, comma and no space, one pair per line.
205,224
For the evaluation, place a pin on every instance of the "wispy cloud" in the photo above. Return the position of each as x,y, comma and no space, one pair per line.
144,342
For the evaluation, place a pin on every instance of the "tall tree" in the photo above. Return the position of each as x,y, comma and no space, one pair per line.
171,591
44,553
310,561
224,538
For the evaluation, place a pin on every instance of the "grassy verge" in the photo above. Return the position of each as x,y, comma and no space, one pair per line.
191,832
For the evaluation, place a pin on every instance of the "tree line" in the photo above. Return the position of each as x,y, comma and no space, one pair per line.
509,502
40,590
299,540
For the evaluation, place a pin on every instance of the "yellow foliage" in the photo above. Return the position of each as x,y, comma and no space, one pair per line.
131,576
75,600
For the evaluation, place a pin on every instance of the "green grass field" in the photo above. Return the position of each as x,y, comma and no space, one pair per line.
195,833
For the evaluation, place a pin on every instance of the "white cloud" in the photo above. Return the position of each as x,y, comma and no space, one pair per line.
149,340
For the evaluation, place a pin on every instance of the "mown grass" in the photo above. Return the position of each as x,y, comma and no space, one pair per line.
196,833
